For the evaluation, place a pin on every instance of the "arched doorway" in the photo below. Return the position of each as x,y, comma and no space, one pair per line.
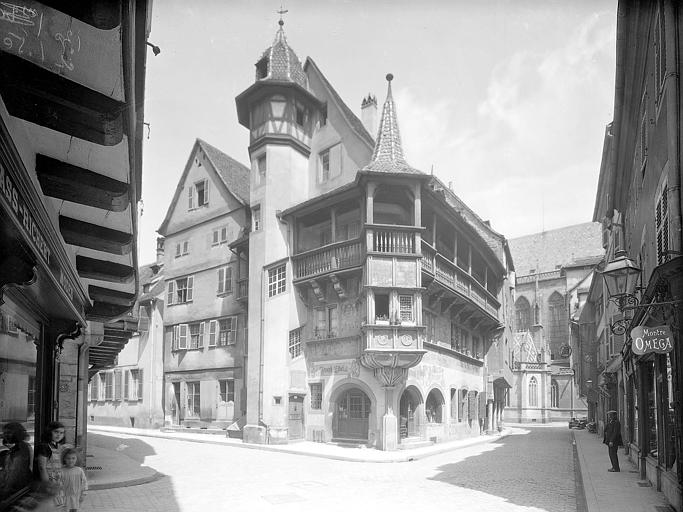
352,413
409,423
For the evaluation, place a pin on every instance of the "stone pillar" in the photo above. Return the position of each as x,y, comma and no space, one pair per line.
389,422
489,416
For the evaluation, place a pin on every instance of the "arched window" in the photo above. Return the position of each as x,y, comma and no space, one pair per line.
522,314
434,406
533,392
554,394
558,323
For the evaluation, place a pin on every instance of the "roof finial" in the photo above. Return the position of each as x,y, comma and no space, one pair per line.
281,12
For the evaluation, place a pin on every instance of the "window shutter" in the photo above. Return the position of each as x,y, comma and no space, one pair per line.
228,280
224,234
200,342
182,337
212,333
335,160
140,385
171,292
117,385
126,384
206,191
221,276
215,237
232,333
190,197
190,284
174,338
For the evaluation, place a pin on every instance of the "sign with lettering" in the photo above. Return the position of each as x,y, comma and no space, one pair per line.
18,207
349,368
647,340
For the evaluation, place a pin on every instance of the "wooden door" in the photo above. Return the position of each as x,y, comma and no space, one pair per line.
296,417
352,414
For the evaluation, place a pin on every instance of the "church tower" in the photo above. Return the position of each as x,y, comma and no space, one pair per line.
281,114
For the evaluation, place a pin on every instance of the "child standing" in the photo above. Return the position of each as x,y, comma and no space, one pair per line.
74,485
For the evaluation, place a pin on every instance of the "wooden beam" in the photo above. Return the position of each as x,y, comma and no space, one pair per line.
100,270
102,14
44,98
77,185
93,236
103,310
115,297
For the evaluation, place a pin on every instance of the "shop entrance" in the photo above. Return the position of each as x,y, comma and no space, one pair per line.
352,413
409,425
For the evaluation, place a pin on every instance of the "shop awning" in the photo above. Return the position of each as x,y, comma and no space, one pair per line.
72,78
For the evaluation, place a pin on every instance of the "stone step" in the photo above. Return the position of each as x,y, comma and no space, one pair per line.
410,443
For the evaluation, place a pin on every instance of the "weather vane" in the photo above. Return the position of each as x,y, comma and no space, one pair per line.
281,12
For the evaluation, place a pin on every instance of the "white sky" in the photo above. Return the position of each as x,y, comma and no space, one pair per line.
508,99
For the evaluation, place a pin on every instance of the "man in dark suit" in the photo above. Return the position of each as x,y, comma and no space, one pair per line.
613,440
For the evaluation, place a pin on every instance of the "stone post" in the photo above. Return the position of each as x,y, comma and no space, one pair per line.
389,421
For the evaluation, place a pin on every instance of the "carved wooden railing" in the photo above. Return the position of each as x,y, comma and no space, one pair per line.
393,239
454,277
339,255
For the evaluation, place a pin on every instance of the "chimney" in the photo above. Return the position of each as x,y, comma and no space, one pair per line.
450,186
368,114
160,249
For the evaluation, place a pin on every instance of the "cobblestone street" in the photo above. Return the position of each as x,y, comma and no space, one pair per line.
512,474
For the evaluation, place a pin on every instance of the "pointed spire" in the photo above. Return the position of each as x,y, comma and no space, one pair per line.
388,153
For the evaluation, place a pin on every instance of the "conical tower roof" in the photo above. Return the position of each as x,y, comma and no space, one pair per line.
388,153
279,62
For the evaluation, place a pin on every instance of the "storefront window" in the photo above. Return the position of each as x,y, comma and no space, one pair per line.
670,428
651,394
18,355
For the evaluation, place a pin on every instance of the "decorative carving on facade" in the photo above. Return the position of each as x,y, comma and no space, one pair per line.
338,287
317,289
407,340
390,377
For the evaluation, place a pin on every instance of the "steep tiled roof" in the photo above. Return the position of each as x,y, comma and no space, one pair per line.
388,154
568,246
282,62
356,124
234,174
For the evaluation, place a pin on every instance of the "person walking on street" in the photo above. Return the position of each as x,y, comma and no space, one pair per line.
613,440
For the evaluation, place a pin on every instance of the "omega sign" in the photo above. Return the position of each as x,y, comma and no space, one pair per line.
651,339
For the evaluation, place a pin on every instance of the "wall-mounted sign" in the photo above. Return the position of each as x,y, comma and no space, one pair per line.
651,339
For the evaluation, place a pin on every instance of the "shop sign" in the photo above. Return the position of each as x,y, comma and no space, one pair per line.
648,340
19,209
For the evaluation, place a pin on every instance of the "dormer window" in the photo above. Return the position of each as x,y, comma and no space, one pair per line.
262,68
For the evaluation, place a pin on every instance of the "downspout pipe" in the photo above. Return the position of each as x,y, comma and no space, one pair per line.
622,21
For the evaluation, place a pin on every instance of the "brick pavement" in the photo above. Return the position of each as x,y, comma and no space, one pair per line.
531,471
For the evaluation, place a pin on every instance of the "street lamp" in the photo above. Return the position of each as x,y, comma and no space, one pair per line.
620,276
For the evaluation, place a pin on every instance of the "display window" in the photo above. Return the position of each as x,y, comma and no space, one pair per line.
669,420
18,359
651,408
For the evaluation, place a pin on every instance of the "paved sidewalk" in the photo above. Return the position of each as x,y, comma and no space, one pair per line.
612,492
120,470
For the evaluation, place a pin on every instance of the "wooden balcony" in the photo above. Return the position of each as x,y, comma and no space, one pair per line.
453,277
329,258
392,239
